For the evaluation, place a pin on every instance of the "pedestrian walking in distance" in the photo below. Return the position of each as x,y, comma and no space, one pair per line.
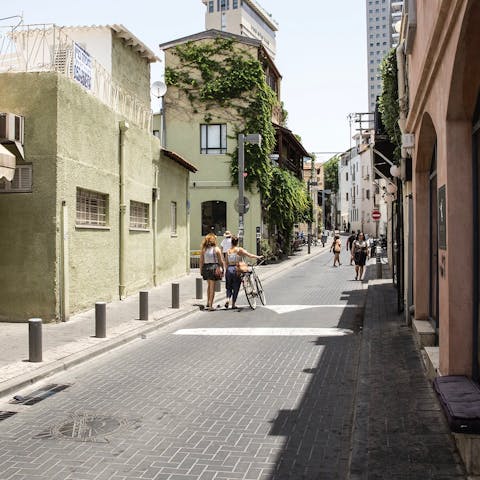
336,248
360,255
212,266
226,244
349,245
233,280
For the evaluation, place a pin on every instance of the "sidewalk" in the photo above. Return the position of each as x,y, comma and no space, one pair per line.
400,431
70,343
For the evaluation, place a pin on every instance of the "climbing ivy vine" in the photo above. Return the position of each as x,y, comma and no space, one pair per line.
219,76
388,103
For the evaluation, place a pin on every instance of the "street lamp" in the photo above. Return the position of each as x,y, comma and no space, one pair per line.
256,139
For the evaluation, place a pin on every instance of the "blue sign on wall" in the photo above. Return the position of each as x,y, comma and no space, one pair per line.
82,66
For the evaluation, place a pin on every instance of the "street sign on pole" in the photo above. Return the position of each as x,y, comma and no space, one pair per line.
376,215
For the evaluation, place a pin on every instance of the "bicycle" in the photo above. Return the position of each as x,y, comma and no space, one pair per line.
252,287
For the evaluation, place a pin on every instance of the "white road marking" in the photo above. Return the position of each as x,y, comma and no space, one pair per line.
267,332
280,309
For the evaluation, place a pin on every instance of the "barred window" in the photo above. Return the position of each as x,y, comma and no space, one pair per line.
139,215
91,208
173,218
21,182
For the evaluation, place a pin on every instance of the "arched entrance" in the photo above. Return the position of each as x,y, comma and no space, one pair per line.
214,217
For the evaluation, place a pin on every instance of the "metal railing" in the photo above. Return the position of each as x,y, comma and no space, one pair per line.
48,48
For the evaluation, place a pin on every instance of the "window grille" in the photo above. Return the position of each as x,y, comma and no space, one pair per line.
139,215
21,182
91,208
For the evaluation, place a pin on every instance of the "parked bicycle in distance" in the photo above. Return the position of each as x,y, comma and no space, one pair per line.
252,287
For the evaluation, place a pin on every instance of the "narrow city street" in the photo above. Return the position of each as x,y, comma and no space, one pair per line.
264,394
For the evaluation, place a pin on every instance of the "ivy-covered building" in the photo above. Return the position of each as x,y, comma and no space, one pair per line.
220,85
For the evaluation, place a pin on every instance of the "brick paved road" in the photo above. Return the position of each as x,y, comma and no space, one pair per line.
180,407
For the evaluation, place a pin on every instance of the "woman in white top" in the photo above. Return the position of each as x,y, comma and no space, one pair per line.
232,279
211,259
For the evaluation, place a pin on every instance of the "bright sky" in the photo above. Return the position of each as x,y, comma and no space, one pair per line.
321,51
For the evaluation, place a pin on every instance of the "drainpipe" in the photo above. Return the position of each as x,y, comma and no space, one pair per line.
154,222
123,211
400,54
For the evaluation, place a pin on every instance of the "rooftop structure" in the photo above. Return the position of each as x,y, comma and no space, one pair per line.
242,17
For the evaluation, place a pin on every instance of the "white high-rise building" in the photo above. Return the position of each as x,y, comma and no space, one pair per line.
242,17
382,15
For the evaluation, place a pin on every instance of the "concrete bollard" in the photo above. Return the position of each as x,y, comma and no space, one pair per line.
379,266
199,288
35,340
175,295
100,319
143,305
218,286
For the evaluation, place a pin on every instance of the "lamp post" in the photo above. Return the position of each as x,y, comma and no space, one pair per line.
254,138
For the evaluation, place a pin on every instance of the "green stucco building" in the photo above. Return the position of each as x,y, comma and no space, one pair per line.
101,211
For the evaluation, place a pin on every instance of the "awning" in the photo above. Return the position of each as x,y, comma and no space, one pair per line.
7,164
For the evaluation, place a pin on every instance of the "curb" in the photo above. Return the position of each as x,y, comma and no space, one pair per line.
158,320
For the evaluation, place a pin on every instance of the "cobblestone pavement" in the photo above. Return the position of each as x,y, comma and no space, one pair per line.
186,404
400,431
208,407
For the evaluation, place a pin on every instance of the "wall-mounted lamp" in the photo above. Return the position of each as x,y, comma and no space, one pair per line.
395,171
391,188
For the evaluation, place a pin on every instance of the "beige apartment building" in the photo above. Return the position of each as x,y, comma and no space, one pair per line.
96,210
242,17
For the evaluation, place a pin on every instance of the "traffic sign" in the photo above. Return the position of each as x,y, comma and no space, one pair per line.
376,215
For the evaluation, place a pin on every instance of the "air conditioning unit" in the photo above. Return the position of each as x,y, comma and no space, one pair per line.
11,128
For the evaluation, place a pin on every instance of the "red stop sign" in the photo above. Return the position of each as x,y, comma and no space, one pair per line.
376,215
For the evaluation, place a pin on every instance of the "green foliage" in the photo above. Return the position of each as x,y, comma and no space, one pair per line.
330,173
388,103
219,74
289,203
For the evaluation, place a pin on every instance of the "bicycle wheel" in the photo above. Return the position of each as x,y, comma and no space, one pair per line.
250,291
259,288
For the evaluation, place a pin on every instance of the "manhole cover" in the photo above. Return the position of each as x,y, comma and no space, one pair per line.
88,427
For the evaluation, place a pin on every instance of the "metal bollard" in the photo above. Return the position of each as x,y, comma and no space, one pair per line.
175,295
100,319
379,266
35,340
218,286
199,288
143,304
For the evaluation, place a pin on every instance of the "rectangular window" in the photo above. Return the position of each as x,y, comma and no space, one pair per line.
21,182
139,215
346,176
211,8
91,208
368,194
173,218
235,4
346,196
213,138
